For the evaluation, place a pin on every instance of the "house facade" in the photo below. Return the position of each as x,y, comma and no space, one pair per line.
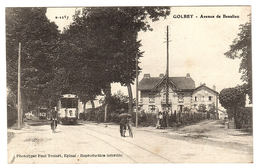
182,94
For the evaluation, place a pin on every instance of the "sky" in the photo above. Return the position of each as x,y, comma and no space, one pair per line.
197,45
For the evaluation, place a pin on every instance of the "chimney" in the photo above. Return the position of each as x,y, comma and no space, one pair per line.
161,75
147,76
188,75
214,87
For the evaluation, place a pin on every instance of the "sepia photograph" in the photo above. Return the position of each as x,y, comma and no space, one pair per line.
129,84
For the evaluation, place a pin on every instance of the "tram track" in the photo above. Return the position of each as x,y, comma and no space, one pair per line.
133,144
113,146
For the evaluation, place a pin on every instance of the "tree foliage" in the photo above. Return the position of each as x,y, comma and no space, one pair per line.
100,47
212,108
233,99
38,36
118,101
107,45
202,108
241,48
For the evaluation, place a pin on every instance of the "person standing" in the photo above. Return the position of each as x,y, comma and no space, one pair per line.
160,116
128,126
164,120
54,120
122,123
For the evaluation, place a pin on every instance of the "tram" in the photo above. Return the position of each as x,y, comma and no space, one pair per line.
43,113
68,109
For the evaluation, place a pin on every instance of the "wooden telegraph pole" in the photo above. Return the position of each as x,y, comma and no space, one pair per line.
136,102
167,71
19,116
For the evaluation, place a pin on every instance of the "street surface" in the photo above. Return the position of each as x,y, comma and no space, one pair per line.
88,142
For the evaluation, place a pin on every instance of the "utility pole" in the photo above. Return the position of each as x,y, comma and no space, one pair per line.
19,119
136,102
167,71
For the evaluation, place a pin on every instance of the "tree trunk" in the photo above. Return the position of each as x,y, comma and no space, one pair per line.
130,95
84,111
236,118
84,107
105,117
107,92
92,104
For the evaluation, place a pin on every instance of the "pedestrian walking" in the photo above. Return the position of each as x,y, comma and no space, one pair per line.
54,120
122,123
129,127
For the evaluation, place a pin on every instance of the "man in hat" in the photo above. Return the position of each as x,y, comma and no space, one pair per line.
54,119
123,123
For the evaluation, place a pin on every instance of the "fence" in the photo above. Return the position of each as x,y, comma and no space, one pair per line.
147,119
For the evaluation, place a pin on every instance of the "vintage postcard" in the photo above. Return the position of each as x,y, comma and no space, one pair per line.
129,84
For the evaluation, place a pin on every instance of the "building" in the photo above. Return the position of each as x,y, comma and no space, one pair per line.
182,94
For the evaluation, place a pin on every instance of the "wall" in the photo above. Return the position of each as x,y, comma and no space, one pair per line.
204,92
160,97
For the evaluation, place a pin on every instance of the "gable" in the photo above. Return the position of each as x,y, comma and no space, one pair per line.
203,89
162,85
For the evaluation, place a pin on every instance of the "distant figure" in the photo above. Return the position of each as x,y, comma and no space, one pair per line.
54,120
164,120
128,126
157,117
122,123
160,120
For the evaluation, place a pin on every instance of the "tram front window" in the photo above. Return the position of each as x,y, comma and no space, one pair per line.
69,103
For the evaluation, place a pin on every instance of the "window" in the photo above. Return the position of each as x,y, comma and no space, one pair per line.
151,108
69,103
202,99
180,98
210,98
151,99
195,98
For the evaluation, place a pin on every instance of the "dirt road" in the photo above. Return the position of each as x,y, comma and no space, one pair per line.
101,143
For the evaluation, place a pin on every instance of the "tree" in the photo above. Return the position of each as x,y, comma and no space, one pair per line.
212,110
38,36
118,101
241,48
187,109
232,99
202,108
107,40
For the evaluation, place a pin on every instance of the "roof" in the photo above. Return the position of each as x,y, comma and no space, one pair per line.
205,87
182,83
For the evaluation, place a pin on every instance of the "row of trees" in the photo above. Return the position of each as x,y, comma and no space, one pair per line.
38,36
233,99
100,47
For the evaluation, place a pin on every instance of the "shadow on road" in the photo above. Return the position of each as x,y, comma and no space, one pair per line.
72,124
38,122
